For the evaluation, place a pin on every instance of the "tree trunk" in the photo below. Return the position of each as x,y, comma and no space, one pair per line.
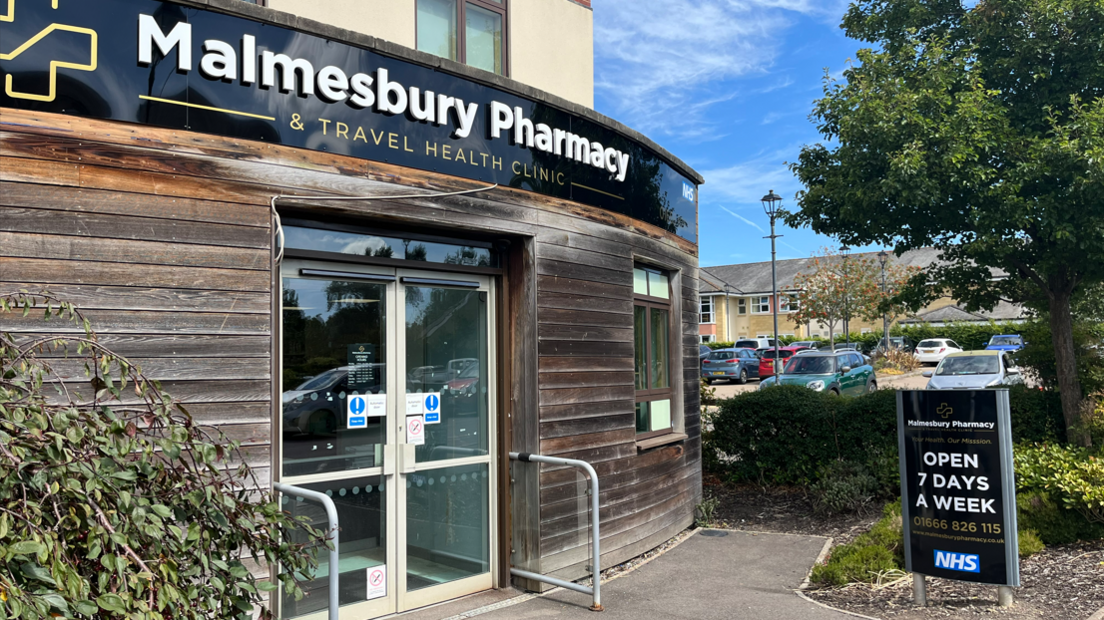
832,337
1069,385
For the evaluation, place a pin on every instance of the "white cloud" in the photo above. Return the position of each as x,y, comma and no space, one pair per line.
746,182
664,63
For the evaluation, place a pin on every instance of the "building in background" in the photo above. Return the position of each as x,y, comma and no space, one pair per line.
737,302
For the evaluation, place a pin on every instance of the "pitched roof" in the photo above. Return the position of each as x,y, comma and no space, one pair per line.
750,278
1003,311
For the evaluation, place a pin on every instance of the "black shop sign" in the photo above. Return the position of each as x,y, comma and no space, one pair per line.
181,67
958,492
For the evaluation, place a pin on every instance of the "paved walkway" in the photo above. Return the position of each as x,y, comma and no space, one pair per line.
733,577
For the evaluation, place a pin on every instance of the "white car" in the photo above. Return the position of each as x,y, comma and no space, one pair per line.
974,370
933,350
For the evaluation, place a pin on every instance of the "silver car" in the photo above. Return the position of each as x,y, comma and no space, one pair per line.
974,370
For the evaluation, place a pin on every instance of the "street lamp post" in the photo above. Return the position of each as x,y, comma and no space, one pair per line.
883,257
845,252
771,202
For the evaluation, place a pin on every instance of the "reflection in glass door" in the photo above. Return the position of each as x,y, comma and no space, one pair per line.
447,500
417,507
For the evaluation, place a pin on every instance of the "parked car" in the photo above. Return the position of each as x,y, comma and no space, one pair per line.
1005,343
904,343
754,343
766,360
843,346
933,350
737,365
844,373
808,344
703,352
974,370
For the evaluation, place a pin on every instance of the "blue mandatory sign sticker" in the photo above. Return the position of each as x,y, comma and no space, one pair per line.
355,417
432,407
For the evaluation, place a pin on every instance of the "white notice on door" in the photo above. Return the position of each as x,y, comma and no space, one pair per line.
377,582
414,404
377,405
415,430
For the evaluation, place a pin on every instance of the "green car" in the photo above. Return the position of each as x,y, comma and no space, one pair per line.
844,373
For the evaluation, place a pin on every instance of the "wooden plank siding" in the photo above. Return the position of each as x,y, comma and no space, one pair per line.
163,239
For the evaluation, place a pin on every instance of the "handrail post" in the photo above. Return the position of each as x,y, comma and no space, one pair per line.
596,553
331,514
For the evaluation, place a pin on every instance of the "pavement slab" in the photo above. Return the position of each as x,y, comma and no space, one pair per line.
735,576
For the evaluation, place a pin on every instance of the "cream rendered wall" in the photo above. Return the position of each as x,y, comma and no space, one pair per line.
390,20
551,46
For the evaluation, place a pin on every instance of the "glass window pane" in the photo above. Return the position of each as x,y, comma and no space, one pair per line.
660,415
362,510
448,525
640,335
640,282
483,38
659,378
643,418
334,335
437,27
362,244
657,284
446,352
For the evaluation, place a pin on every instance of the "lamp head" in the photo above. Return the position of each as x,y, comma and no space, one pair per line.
771,202
883,256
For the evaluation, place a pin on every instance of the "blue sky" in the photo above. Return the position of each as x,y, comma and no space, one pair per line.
727,86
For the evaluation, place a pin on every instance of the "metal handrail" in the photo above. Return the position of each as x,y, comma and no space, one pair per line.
596,558
331,514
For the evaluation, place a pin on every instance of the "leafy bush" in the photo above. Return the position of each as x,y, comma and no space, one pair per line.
113,502
971,336
872,554
1036,415
1030,543
1072,476
1037,356
844,487
1053,523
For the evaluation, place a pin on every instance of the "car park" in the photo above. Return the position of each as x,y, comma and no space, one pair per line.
1005,343
933,350
974,370
737,365
844,373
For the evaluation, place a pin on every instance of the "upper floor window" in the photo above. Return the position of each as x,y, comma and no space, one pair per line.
760,305
706,309
741,306
468,31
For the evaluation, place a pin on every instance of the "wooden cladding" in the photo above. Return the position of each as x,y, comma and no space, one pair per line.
163,239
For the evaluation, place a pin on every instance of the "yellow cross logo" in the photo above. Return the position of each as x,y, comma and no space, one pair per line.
945,410
54,64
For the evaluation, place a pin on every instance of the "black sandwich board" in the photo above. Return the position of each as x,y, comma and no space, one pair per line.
958,491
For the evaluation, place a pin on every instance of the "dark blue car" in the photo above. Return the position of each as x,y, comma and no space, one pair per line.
732,364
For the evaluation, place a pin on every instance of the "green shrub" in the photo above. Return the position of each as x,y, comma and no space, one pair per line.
1036,415
1054,524
844,487
1030,544
1072,479
861,561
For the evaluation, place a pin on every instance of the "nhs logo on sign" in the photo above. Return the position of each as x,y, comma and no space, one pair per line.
967,563
688,192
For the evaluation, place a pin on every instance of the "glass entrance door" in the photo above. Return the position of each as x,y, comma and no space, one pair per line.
387,381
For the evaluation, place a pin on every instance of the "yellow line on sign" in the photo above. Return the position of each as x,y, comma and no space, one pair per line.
596,190
206,107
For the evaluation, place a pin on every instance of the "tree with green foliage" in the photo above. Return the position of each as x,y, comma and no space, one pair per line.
978,129
114,502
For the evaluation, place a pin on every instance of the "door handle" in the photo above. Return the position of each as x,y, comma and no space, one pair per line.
388,460
406,462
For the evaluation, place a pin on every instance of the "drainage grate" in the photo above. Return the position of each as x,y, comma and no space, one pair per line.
716,533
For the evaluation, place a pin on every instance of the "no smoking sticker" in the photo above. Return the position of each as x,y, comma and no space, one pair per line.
377,582
415,430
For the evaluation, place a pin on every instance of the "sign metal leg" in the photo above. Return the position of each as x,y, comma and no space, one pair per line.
1004,596
919,590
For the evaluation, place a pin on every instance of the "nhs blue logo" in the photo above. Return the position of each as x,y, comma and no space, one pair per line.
688,192
967,563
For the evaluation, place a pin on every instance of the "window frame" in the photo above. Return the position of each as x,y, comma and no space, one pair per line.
712,314
501,9
649,394
741,306
757,302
